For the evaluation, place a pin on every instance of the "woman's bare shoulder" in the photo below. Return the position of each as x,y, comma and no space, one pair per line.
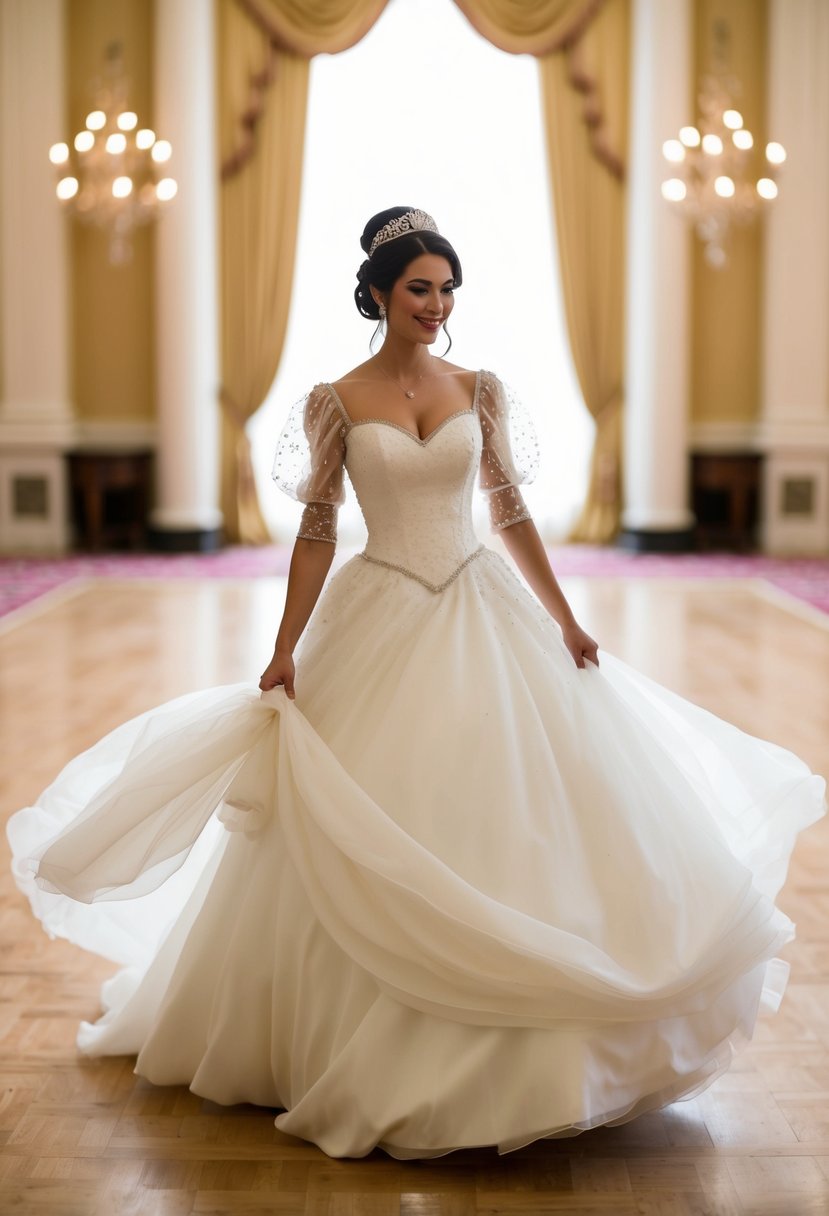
446,366
464,374
364,371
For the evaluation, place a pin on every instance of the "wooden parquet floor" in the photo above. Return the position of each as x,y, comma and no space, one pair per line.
81,1137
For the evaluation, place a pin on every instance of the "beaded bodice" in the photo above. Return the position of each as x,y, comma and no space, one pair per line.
415,494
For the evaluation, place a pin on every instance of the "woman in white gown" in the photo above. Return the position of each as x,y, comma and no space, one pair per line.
447,881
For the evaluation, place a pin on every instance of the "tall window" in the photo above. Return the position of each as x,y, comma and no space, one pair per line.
423,112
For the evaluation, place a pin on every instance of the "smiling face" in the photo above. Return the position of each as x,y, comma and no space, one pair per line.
421,299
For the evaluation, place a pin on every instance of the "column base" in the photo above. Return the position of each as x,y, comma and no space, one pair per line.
656,540
186,540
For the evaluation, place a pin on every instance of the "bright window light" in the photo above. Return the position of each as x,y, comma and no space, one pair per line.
424,112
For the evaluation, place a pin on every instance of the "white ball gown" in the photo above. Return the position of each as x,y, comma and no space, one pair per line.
459,892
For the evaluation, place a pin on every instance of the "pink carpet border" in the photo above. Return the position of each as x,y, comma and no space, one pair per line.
25,580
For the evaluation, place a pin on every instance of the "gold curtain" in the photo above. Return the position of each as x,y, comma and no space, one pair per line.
589,86
583,59
264,49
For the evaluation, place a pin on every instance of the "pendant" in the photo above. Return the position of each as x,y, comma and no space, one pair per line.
409,393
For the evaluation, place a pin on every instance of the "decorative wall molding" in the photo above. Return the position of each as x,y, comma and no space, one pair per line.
52,435
116,434
716,436
769,435
781,434
108,434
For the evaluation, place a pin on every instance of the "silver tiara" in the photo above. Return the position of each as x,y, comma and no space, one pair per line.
412,221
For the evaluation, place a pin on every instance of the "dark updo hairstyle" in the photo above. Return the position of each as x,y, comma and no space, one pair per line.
387,264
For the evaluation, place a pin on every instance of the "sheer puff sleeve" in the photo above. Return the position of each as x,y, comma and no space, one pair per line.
509,457
309,462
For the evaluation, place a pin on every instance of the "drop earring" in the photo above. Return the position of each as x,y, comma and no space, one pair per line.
380,326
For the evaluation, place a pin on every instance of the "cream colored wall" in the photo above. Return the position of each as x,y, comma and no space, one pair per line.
726,306
112,307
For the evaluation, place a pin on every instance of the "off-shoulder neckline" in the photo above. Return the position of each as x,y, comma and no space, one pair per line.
471,409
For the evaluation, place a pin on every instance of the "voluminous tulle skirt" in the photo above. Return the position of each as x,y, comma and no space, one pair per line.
460,892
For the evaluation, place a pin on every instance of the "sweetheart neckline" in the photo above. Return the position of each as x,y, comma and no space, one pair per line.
396,425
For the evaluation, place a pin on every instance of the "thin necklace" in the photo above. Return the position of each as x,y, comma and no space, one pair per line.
407,391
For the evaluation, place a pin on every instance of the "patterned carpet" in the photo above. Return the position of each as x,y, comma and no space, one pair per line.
25,580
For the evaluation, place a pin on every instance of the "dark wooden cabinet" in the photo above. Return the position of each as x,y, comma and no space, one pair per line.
726,499
110,493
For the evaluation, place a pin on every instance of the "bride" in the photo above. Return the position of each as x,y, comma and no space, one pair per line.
445,879
408,283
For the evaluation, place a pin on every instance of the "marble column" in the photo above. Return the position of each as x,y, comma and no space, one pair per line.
794,425
656,514
36,415
187,515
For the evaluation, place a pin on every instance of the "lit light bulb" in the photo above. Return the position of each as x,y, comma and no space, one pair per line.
690,137
145,138
67,187
775,153
766,188
162,151
59,154
84,140
724,186
116,143
166,189
121,187
743,140
673,190
712,145
673,150
96,120
127,121
733,119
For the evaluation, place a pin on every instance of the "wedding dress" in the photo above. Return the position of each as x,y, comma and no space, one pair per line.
459,892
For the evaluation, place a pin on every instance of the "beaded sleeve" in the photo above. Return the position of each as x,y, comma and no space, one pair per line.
309,462
509,457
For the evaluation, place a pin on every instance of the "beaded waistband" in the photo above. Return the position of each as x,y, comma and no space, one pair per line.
419,577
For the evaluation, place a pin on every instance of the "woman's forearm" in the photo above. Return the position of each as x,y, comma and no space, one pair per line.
526,549
310,563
